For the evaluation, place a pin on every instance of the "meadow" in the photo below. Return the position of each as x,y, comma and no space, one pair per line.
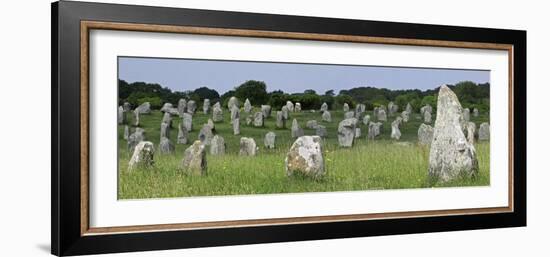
377,164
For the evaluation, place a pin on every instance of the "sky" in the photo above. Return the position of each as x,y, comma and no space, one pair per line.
188,74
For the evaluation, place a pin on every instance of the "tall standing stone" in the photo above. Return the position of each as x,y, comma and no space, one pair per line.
233,101
135,138
194,159
206,134
217,145
191,107
266,110
297,107
166,146
144,108
167,118
206,106
346,107
324,107
395,132
466,114
142,155
217,114
382,115
409,108
247,106
405,116
235,113
357,132
484,132
236,126
346,132
366,119
306,157
258,119
360,108
475,112
182,107
326,116
471,132
290,106
164,130
426,108
281,121
183,135
321,131
269,140
188,121
285,112
127,107
136,117
248,147
374,129
296,131
427,117
451,155
391,108
349,115
425,134
121,116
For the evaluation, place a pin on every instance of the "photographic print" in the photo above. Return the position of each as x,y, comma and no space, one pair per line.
196,127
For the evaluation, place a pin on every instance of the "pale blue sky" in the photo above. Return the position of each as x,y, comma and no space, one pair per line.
186,74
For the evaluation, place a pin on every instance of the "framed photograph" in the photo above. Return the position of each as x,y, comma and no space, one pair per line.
178,128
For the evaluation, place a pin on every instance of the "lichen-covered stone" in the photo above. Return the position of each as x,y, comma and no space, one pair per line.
484,132
425,134
326,116
194,159
248,147
346,132
296,130
217,145
142,156
269,140
166,146
306,157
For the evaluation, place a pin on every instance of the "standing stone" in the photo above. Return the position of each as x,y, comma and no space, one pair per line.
360,108
475,112
358,115
466,115
349,115
247,106
136,117
248,147
233,101
374,129
269,140
126,132
409,108
285,111
306,157
395,132
382,115
311,124
166,107
281,121
425,134
324,107
206,134
142,156
217,114
258,119
484,132
191,107
296,131
297,107
121,115
164,130
405,116
248,120
290,106
357,132
182,134
167,118
217,145
166,146
217,105
471,132
127,107
451,155
194,159
346,107
210,123
182,107
366,120
235,113
326,116
391,108
426,108
188,121
346,132
144,108
266,111
427,117
236,126
135,138
375,111
206,106
321,131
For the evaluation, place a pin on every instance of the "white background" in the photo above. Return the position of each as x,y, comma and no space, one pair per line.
25,152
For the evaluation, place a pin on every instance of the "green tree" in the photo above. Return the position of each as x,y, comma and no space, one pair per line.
254,90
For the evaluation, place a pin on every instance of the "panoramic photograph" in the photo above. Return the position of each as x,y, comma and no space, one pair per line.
191,127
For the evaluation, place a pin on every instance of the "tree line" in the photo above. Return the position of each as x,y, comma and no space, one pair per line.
470,95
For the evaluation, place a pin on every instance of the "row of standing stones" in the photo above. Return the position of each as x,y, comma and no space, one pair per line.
451,140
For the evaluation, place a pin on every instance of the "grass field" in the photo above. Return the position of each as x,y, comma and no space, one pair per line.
378,164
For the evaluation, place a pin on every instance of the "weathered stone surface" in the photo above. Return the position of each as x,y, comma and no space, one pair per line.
311,124
374,129
281,121
409,108
249,120
297,107
135,138
269,140
349,115
471,132
166,107
425,134
164,130
126,132
206,106
395,132
326,116
233,101
451,155
359,115
321,131
346,132
346,107
290,106
144,108
217,105
427,117
426,108
405,115
194,159
248,147
306,157
235,113
206,134
217,145
166,146
167,118
366,119
382,115
392,108
357,132
236,126
191,107
183,135
484,132
324,107
136,118
182,107
217,113
187,121
142,156
247,106
475,112
375,112
266,110
126,107
258,119
466,115
121,116
296,131
210,123
360,108
285,111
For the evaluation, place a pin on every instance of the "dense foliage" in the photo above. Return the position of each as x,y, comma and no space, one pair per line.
470,94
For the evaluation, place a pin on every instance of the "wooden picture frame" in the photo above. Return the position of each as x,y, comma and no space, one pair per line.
71,25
